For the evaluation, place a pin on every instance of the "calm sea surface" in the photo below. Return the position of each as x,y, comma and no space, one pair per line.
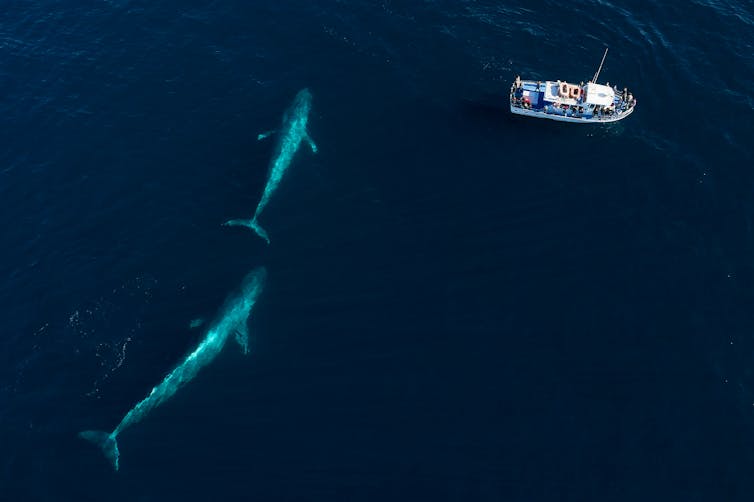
460,304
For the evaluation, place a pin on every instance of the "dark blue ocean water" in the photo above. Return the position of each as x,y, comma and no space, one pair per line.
460,305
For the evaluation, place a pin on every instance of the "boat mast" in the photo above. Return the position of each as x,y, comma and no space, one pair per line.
594,79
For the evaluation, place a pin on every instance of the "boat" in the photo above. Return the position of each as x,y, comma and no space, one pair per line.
568,102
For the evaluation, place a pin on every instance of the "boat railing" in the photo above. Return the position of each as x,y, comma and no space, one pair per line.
557,110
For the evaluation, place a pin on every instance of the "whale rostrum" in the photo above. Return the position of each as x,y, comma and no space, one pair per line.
291,134
232,320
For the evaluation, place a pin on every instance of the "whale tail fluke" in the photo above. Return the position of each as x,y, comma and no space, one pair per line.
261,232
252,224
238,223
107,443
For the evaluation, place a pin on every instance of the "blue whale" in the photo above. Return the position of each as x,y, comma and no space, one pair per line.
291,134
233,320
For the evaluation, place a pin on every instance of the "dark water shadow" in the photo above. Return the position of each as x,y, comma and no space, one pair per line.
491,111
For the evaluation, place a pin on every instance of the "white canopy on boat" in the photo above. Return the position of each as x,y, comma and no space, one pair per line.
598,94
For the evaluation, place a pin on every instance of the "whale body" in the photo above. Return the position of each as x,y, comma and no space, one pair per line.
290,136
232,320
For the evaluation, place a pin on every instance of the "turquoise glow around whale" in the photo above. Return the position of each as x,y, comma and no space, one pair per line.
292,132
232,320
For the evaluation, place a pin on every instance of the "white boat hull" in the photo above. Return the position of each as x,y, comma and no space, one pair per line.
540,114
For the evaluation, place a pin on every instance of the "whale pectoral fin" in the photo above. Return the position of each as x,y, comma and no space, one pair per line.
242,337
265,134
195,323
311,142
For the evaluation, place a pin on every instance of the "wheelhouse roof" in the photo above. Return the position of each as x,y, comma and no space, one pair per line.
598,94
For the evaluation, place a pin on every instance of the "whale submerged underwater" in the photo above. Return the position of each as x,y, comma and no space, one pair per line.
234,315
290,136
232,319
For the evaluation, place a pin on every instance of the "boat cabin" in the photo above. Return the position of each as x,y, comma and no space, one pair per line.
563,101
562,93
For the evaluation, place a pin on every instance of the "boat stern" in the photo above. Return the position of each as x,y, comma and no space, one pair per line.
526,95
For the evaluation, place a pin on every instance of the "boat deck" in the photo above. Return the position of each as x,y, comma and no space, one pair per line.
535,92
532,99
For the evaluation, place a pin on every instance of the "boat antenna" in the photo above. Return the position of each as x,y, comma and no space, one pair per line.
594,79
